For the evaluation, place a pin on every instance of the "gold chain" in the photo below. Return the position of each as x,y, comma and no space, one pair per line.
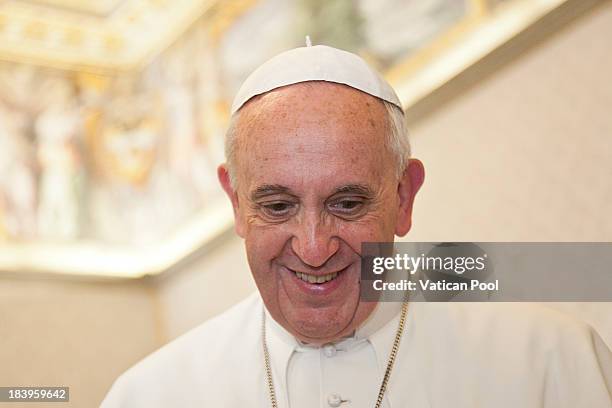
386,377
267,360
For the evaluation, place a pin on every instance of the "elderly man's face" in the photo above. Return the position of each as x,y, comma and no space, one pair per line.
315,180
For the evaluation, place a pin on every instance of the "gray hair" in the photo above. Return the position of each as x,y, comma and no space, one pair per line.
396,140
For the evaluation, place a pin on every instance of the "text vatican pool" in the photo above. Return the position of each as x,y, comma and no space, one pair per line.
430,285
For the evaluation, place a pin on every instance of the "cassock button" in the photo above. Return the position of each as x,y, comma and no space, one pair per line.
334,400
329,350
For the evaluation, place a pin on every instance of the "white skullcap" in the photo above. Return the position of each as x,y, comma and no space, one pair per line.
318,63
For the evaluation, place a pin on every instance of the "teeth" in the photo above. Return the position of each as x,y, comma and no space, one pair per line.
316,279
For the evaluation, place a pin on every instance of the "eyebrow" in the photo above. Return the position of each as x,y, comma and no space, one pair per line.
359,189
269,189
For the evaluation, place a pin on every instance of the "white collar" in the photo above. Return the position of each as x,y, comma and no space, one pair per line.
379,330
383,314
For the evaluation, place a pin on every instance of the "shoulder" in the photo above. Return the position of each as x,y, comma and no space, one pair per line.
500,330
207,338
519,320
192,361
533,349
530,336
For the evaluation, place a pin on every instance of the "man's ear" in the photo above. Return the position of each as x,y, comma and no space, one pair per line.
224,179
409,185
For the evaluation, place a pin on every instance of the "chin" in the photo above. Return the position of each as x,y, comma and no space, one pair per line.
316,326
320,334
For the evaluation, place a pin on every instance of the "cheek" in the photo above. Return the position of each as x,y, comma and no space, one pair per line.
263,246
376,228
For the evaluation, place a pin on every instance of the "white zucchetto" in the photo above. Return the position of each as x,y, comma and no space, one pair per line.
314,63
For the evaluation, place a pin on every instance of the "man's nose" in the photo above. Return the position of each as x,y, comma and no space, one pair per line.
314,241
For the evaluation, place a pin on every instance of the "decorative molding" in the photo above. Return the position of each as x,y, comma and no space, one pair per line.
111,43
484,38
84,39
91,258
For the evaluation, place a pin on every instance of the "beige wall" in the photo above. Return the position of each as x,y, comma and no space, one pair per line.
524,155
83,334
204,288
78,334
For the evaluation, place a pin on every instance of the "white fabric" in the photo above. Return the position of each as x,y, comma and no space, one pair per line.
456,355
318,63
315,376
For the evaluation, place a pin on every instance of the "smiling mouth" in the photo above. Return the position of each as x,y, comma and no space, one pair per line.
317,279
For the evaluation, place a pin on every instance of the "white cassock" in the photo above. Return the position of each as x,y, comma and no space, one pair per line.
460,355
